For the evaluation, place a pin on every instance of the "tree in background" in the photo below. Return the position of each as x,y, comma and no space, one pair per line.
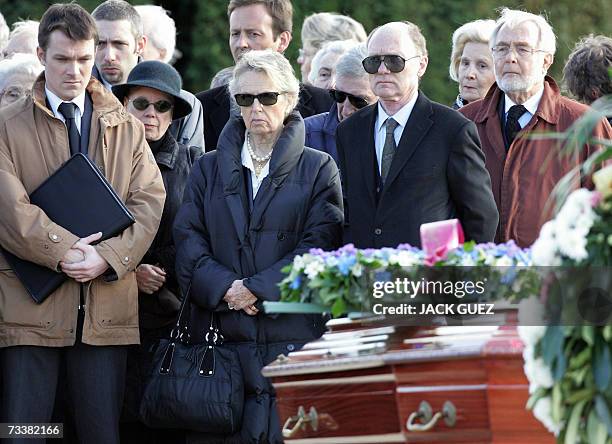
203,34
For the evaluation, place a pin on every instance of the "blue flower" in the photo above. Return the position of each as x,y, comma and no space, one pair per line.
297,282
345,263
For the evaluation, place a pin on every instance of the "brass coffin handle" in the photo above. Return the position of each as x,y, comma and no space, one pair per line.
429,420
299,422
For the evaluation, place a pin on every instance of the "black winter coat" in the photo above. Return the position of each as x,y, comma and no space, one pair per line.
219,239
175,161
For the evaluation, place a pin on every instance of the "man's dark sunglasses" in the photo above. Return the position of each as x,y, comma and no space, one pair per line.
266,98
161,106
394,63
340,97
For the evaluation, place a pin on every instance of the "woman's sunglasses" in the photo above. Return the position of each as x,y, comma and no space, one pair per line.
394,63
161,106
265,98
341,96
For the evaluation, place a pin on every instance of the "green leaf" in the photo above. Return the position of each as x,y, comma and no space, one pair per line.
607,333
588,334
552,344
571,433
580,395
560,366
533,399
596,430
578,361
557,406
601,406
339,308
602,365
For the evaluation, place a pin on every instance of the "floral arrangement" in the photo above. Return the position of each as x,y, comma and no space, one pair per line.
569,368
341,279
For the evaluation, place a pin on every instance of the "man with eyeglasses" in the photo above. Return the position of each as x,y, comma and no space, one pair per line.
406,160
351,91
524,170
121,46
256,24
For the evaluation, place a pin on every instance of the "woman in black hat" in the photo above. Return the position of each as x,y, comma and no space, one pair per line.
152,95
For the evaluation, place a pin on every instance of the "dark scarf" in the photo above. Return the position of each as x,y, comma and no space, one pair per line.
157,145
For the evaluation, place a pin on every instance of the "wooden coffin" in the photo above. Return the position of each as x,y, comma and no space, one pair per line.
363,382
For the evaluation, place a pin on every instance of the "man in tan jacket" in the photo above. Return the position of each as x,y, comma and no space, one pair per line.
86,324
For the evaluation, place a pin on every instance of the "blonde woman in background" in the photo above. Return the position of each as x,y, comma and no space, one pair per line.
323,27
471,61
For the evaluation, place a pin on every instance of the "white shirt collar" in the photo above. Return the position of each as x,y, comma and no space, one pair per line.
105,83
55,102
247,162
531,104
401,116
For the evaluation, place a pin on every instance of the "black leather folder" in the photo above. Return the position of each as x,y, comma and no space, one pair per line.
80,199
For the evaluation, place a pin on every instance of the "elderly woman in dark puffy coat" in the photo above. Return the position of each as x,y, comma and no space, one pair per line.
152,95
250,206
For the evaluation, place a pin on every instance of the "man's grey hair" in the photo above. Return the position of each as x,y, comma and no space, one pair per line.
276,67
512,18
349,64
335,47
24,36
413,32
26,64
4,32
115,10
222,77
159,28
586,73
323,27
478,31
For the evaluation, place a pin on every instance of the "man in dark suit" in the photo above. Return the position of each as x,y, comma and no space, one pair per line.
256,24
406,160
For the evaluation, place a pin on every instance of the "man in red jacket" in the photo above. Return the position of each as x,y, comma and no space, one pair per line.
525,100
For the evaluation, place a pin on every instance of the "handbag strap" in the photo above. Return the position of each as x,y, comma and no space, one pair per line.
180,332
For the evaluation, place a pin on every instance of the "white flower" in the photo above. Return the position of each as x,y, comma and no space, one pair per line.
538,373
544,250
331,261
357,269
543,412
503,261
298,263
530,334
313,268
467,260
572,244
404,259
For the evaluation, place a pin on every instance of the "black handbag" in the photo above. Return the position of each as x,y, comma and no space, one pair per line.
194,386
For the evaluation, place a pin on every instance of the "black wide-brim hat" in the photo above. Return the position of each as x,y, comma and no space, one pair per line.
160,76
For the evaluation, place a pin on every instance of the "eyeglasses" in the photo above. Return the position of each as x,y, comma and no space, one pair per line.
265,98
394,63
341,96
161,106
521,50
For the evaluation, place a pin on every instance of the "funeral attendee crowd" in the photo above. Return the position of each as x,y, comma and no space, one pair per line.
226,186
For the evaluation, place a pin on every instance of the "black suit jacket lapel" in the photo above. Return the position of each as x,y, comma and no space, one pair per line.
368,152
416,128
221,114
